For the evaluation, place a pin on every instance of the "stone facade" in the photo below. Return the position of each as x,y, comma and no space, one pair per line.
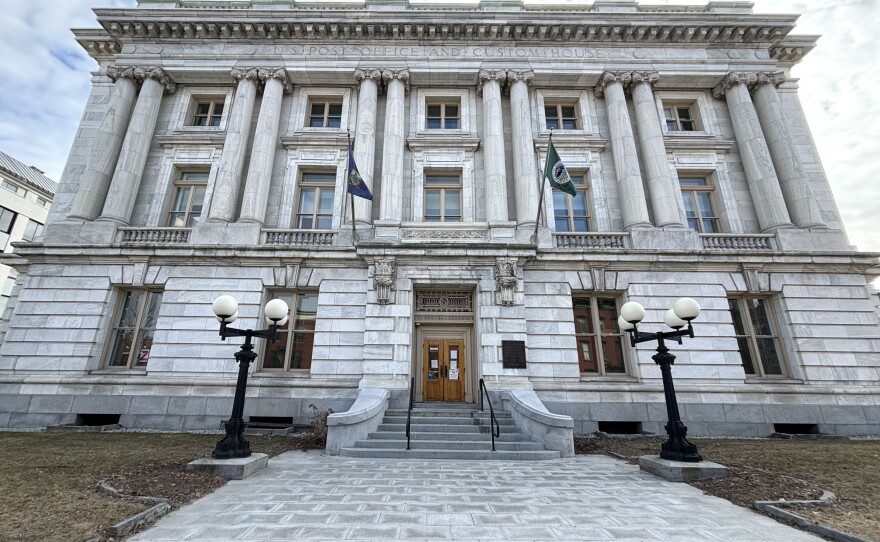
643,103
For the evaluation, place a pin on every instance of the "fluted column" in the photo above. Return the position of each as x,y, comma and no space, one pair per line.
494,163
523,148
229,173
133,154
662,187
801,204
623,149
259,176
95,181
391,205
763,183
365,136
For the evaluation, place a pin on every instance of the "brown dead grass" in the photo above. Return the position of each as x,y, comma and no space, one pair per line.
48,481
784,469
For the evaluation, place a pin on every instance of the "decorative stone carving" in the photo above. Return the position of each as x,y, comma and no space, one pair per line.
514,76
505,279
607,78
444,234
749,79
383,279
400,75
139,73
369,73
491,75
644,77
276,73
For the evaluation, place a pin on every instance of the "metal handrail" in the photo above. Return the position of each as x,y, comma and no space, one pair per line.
494,426
412,385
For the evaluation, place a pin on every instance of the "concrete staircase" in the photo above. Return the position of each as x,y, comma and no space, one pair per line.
448,431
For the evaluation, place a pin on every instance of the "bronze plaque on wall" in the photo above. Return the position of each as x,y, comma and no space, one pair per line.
513,354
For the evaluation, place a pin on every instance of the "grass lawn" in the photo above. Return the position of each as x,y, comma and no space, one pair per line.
763,470
48,480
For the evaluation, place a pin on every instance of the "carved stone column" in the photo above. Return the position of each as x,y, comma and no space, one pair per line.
383,280
523,148
259,176
662,187
391,205
95,181
505,279
623,150
365,136
494,163
229,173
763,183
133,156
802,206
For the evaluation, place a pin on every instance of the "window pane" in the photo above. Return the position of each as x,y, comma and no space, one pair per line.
552,124
335,110
142,356
6,218
434,124
198,199
551,113
151,314
705,202
692,181
432,203
453,203
688,126
30,231
218,109
177,220
130,307
121,348
613,352
579,203
743,345
274,356
451,111
307,200
301,355
607,315
181,199
581,224
586,357
319,177
562,224
215,121
316,122
325,204
7,287
583,316
738,324
434,179
306,311
684,113
689,208
199,176
769,356
560,204
434,110
710,226
759,316
317,110
203,108
451,124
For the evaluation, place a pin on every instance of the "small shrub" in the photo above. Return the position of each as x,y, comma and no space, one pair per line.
319,420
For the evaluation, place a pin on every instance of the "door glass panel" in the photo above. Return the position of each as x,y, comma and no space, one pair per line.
433,362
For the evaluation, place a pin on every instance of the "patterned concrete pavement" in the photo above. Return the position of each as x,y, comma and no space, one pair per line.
311,496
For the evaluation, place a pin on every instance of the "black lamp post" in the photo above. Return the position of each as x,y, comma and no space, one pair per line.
677,447
226,308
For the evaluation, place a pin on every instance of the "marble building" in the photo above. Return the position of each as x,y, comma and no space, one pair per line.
212,158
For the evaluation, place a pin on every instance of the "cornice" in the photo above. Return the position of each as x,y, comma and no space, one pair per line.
792,49
529,27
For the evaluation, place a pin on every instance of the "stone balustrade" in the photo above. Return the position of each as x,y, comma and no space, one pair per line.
149,236
298,237
715,241
590,240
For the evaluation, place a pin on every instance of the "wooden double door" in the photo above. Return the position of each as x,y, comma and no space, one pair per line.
444,368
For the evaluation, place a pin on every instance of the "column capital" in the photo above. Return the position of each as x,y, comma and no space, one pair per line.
525,76
607,78
749,79
139,73
401,75
251,74
500,76
280,74
637,78
366,74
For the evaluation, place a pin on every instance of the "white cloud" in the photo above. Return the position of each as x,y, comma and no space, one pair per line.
47,83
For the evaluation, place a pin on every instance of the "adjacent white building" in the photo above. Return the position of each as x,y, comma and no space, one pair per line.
212,159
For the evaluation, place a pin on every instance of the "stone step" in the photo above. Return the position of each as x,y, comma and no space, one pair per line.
444,420
379,453
447,413
397,435
442,428
446,406
416,444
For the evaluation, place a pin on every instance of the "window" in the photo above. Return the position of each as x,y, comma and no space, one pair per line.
189,195
442,115
316,192
561,116
42,202
32,230
571,213
296,338
12,187
325,113
208,112
598,338
680,118
696,192
442,197
132,337
6,293
756,336
7,220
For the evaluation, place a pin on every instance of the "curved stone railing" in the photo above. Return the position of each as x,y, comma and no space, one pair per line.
363,418
150,236
591,240
721,241
298,237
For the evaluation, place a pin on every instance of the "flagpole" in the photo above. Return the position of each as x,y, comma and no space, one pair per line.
534,238
354,235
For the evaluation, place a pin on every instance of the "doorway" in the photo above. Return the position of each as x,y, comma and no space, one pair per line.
443,367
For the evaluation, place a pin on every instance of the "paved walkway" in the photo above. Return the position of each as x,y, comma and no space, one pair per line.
310,496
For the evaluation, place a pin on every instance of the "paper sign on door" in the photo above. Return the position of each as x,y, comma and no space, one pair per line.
453,374
453,365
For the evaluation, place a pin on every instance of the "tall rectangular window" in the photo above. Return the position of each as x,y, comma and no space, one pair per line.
600,347
188,198
680,117
561,116
296,338
442,115
6,293
131,338
572,213
442,197
7,220
316,193
325,113
12,187
32,230
756,336
697,194
207,112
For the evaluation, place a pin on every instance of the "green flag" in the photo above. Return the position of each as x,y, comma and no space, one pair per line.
556,173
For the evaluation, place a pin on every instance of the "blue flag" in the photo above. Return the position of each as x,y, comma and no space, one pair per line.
356,185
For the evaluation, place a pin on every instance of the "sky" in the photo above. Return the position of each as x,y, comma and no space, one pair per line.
46,79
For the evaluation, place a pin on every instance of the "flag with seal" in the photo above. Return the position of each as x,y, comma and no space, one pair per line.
356,185
556,173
